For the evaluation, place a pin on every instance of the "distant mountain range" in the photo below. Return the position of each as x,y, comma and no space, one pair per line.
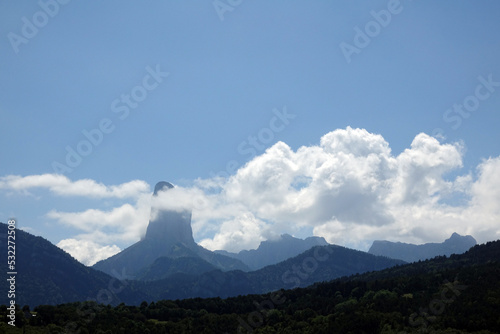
456,294
274,251
318,264
456,244
169,235
168,264
48,275
169,245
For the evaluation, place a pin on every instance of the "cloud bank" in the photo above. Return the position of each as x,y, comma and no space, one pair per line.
61,185
349,188
87,251
352,190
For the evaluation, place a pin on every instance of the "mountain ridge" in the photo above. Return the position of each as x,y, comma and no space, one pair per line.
455,244
275,250
459,294
320,263
47,274
169,234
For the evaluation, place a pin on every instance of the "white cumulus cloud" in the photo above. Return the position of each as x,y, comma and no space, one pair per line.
349,188
352,190
87,251
61,185
125,223
242,232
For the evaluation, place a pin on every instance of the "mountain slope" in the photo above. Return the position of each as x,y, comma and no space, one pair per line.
459,294
48,275
321,263
164,267
274,251
456,244
169,234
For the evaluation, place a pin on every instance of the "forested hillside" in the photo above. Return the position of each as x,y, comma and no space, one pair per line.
460,294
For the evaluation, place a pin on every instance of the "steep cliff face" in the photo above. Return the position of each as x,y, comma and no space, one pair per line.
169,234
170,227
273,251
456,244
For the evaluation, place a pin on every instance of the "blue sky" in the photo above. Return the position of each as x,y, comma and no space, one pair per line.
67,68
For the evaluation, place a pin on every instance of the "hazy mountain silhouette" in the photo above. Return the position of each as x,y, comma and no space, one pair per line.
458,294
48,275
318,264
456,244
164,267
169,234
274,251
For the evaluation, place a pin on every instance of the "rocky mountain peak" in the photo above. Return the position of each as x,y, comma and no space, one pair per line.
455,244
168,246
162,186
169,226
